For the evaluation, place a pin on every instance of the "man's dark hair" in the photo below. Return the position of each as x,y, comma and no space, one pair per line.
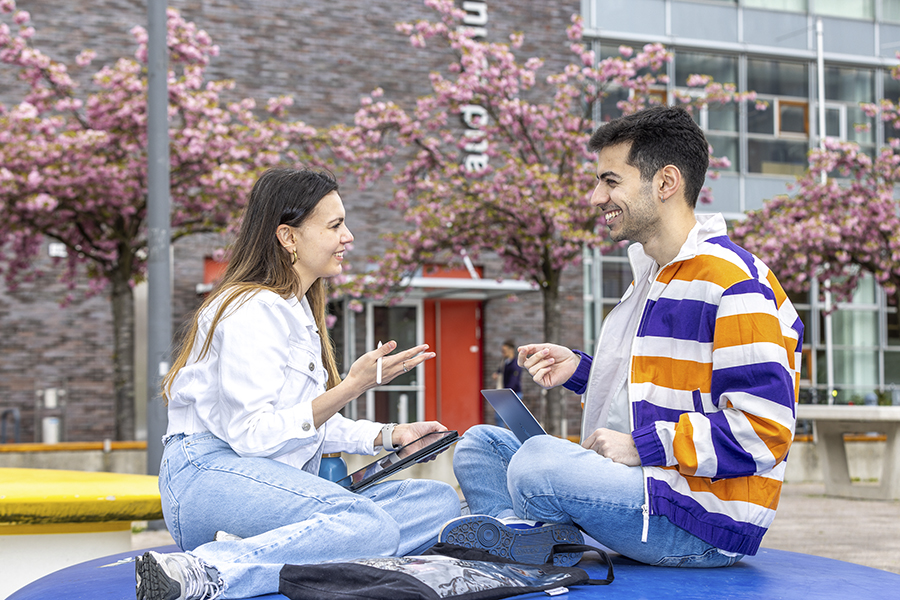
660,136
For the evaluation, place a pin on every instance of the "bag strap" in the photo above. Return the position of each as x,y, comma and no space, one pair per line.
566,548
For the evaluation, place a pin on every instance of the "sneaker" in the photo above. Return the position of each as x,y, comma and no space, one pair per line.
528,542
175,576
224,536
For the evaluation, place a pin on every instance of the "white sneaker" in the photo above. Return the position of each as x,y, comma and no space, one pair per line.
523,541
175,576
224,536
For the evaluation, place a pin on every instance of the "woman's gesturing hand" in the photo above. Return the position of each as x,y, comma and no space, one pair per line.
365,369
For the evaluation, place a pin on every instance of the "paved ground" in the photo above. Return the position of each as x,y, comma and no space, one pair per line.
866,532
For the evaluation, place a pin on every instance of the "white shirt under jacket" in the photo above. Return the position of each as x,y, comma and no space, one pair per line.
255,387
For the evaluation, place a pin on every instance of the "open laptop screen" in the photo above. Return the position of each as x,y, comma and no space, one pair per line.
514,413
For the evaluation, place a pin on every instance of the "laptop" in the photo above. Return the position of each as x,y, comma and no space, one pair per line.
421,450
514,413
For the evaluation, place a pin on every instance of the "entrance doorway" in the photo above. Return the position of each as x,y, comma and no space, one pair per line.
453,381
446,388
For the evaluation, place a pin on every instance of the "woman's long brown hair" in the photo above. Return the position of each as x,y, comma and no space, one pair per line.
258,262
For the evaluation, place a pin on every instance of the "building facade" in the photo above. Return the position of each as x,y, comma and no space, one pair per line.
327,55
55,360
772,47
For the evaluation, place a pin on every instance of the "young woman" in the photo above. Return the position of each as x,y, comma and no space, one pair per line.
253,401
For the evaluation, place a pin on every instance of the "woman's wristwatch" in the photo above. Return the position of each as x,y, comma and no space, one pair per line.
386,437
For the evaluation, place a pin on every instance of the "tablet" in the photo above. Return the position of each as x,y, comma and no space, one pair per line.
514,413
421,450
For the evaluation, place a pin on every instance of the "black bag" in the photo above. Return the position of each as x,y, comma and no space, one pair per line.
443,571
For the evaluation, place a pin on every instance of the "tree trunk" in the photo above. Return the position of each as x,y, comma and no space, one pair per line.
123,354
553,410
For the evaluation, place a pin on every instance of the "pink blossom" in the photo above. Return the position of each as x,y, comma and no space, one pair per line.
73,158
85,57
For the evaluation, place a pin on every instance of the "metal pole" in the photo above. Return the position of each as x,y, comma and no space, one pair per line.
159,287
820,71
820,76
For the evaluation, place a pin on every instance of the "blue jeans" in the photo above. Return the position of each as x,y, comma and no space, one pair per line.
557,481
285,515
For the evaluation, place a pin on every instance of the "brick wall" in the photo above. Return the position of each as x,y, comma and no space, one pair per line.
327,54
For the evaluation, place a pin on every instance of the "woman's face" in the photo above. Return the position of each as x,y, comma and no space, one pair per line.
321,241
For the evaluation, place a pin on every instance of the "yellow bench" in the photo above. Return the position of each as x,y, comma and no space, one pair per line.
51,519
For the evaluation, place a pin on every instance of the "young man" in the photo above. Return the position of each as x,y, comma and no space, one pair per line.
688,409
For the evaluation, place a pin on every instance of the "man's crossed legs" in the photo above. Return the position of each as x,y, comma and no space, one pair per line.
556,481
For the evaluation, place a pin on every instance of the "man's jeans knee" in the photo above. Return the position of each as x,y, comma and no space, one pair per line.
480,461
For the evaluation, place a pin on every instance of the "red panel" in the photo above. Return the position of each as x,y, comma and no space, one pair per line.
431,366
453,380
213,269
453,272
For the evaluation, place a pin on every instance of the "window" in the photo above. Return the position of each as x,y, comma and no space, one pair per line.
337,326
890,10
609,108
845,89
892,373
403,399
719,121
788,5
893,328
892,93
778,78
778,136
793,118
853,9
721,68
397,401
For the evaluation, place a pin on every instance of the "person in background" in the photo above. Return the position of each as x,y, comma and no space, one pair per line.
508,374
253,400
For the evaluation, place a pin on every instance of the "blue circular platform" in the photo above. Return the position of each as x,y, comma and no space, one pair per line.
770,575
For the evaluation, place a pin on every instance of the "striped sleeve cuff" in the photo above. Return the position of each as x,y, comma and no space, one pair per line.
578,381
649,446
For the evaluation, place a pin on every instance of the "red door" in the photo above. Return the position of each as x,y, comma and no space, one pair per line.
453,380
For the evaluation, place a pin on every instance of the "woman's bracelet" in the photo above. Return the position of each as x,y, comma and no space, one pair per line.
387,433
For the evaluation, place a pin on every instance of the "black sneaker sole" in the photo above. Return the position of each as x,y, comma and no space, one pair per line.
530,546
152,581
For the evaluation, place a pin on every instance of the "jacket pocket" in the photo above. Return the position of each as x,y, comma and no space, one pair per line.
304,376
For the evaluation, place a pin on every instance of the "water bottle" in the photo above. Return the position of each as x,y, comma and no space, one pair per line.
333,467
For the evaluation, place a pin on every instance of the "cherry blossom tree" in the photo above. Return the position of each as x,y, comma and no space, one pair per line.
841,222
73,166
495,162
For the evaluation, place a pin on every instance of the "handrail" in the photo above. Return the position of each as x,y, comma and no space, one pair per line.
106,446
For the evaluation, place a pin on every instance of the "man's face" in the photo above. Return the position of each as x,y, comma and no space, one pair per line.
629,207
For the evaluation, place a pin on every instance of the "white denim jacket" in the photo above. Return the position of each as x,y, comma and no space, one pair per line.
255,387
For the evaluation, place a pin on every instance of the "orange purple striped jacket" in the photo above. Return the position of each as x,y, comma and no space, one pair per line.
714,377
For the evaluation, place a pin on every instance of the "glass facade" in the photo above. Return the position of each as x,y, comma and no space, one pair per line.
851,9
890,11
853,352
791,5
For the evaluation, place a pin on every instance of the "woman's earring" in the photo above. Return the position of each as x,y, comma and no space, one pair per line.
293,256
